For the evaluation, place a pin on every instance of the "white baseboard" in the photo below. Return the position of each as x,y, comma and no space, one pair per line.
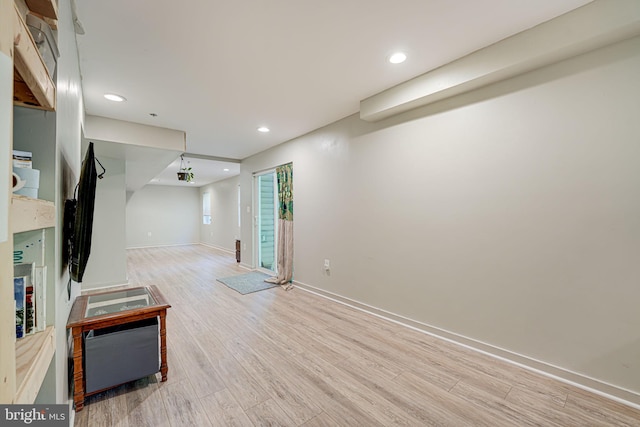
220,248
229,251
104,286
162,246
246,266
593,385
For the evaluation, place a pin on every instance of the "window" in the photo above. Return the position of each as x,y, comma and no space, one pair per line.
206,208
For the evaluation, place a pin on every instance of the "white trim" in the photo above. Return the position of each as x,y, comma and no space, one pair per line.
610,391
266,271
108,286
257,247
265,171
246,266
162,246
220,248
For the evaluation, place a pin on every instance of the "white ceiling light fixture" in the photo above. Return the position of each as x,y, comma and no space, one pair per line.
263,129
114,97
397,58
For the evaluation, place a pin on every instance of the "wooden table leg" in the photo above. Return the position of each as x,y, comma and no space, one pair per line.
164,368
78,376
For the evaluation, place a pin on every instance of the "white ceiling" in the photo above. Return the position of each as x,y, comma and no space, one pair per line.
220,69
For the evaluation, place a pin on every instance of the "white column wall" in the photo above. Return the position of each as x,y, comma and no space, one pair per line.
69,118
107,265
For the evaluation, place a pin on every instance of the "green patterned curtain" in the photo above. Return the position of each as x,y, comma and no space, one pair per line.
285,191
285,227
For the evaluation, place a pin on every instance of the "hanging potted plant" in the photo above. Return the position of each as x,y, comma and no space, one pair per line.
184,173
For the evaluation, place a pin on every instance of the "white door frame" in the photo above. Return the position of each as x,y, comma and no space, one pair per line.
256,225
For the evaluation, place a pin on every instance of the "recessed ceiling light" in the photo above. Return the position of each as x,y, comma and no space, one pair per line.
397,58
263,129
114,97
225,169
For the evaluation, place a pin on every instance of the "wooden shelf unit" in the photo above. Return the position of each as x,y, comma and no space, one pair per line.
32,88
33,353
31,214
33,357
32,85
44,8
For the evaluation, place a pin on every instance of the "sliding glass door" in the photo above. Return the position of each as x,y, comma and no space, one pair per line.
266,220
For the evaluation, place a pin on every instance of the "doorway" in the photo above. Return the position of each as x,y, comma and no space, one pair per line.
266,220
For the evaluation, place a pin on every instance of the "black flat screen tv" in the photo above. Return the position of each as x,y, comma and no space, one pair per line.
80,212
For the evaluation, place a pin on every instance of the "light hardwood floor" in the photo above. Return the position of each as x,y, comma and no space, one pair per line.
296,359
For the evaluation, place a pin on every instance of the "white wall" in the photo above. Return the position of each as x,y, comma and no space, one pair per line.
223,230
107,265
509,215
171,214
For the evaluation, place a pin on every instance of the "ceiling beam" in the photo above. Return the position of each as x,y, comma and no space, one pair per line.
216,158
582,30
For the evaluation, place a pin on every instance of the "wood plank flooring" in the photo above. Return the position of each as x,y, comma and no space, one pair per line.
277,358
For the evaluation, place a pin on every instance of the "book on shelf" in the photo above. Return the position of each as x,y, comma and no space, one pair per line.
29,312
28,259
19,295
28,273
22,159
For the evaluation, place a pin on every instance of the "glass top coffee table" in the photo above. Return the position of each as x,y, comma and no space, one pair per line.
118,301
113,308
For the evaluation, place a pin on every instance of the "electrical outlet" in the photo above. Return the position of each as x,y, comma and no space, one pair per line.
327,264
